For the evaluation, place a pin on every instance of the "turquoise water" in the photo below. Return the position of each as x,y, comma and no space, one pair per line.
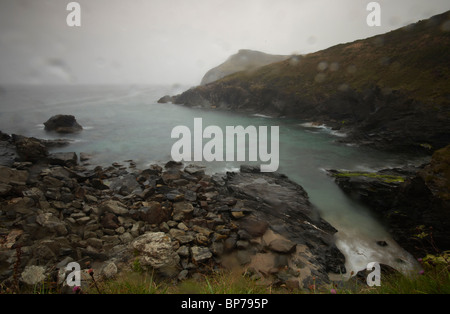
126,123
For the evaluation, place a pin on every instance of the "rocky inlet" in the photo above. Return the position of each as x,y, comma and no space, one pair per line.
171,218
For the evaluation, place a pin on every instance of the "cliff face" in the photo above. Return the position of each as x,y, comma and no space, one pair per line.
244,60
390,91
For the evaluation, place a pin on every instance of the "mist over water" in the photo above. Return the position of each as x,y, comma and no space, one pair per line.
126,123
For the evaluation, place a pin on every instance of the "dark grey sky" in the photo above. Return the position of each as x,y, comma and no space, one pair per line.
176,41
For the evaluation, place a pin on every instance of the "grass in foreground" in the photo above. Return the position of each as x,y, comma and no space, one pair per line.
434,279
220,283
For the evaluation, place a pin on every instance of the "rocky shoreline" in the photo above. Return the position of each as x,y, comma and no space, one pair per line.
346,113
173,219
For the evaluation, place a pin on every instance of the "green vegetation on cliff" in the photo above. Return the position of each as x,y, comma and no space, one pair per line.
413,60
383,177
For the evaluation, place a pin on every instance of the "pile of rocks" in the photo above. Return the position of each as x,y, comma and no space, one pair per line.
176,220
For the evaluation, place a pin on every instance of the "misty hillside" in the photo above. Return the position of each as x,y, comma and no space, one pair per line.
390,91
244,60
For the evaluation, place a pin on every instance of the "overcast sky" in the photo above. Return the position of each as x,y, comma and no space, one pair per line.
176,41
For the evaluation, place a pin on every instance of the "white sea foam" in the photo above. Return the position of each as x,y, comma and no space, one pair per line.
78,140
338,134
313,125
322,127
231,169
259,115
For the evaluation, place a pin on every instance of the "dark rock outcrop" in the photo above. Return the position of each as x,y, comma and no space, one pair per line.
8,153
4,137
29,148
166,99
63,124
63,159
414,203
272,199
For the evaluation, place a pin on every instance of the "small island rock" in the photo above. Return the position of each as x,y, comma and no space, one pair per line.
63,124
